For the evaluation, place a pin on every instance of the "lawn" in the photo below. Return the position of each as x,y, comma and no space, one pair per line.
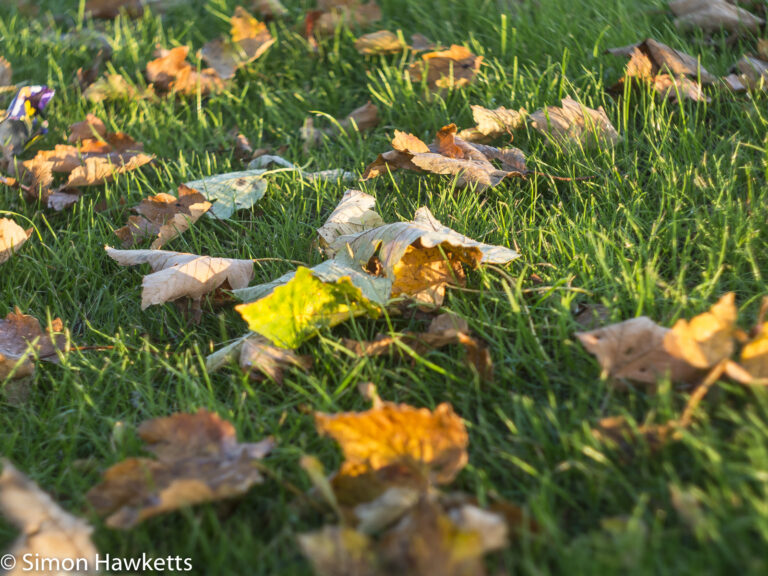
662,224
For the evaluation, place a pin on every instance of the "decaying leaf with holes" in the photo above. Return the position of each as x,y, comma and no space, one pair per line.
713,15
575,123
180,275
12,237
171,72
354,214
492,124
198,459
259,357
163,217
672,73
231,192
446,69
471,164
634,351
445,330
47,531
20,336
248,40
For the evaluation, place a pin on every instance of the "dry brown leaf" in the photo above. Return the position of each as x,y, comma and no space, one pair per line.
12,236
20,334
754,72
634,350
363,119
163,217
445,330
47,531
179,275
249,39
446,69
712,15
492,124
270,8
754,355
381,42
170,72
469,163
198,459
575,123
331,14
708,338
431,445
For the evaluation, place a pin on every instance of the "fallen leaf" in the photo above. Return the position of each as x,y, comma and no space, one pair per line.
21,335
589,316
12,237
446,69
492,124
361,119
381,42
445,330
754,72
258,357
170,72
754,355
179,275
270,8
47,531
163,217
331,14
575,123
296,310
116,87
249,39
198,459
231,192
469,163
354,214
708,338
339,551
634,350
432,445
713,15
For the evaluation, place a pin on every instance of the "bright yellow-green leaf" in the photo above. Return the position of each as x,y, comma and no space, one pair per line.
295,311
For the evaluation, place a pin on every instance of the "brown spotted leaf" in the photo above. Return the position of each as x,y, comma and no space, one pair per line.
198,459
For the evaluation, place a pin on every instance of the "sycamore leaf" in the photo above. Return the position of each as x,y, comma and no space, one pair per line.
708,338
249,39
363,118
469,163
634,350
179,275
574,123
170,72
297,310
445,330
198,459
163,217
381,42
257,356
12,236
431,444
491,124
21,334
231,192
354,214
420,257
47,531
712,15
446,69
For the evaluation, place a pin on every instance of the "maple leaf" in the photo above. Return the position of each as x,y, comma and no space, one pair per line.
361,119
21,335
295,311
491,124
257,356
671,72
445,330
381,42
470,163
354,214
249,39
634,350
47,531
420,257
446,69
180,275
432,445
713,15
163,217
575,123
170,72
198,459
12,237
231,191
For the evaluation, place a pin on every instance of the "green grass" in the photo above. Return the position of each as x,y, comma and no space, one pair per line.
676,215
